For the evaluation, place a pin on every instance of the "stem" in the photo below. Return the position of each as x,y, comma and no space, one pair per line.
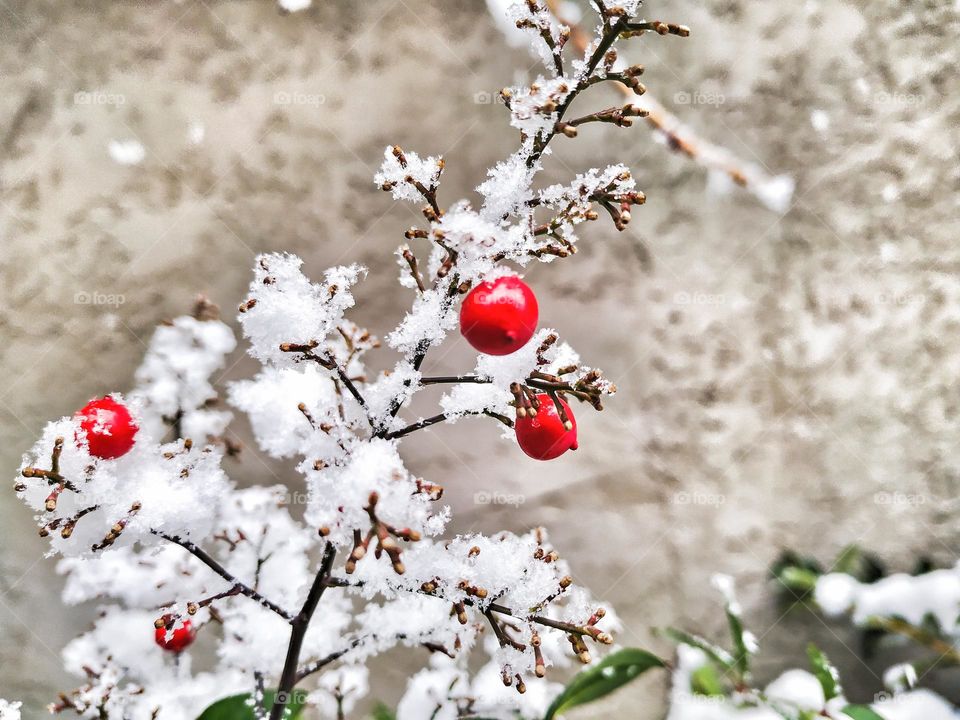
440,379
919,635
323,662
206,559
299,625
419,425
609,37
348,383
433,420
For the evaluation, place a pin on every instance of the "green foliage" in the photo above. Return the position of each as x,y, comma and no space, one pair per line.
740,649
240,707
717,654
825,672
705,681
613,672
864,566
797,574
861,712
382,712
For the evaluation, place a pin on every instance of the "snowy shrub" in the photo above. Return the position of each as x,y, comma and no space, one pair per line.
134,495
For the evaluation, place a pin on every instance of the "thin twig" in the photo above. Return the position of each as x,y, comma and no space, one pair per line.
442,417
211,563
441,379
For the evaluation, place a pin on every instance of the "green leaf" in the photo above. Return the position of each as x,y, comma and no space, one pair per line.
861,712
705,681
864,566
382,712
240,707
824,671
740,649
614,671
716,653
800,580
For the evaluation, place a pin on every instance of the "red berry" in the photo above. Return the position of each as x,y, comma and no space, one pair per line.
177,641
543,436
499,316
108,427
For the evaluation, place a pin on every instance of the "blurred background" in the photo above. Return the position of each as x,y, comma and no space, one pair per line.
787,373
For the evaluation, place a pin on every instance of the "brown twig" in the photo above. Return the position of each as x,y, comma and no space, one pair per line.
290,675
211,563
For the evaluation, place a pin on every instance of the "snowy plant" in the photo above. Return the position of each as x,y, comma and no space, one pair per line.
921,608
710,682
134,495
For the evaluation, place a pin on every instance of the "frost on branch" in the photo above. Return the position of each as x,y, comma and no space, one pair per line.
85,504
512,383
372,497
517,585
173,381
408,177
133,679
285,307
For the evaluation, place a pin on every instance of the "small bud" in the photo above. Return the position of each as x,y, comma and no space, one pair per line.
521,687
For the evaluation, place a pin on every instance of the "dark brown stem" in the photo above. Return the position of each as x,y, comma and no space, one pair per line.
441,379
207,560
299,625
318,665
606,42
501,634
435,419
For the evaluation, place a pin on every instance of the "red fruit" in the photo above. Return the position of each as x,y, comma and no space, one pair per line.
177,641
499,316
108,427
544,436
